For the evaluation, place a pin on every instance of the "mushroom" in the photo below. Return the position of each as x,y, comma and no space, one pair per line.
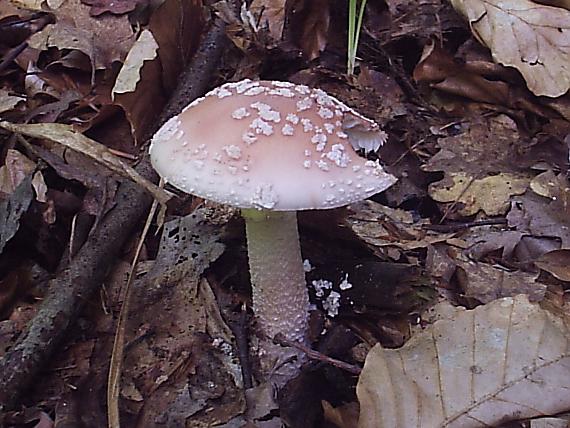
272,148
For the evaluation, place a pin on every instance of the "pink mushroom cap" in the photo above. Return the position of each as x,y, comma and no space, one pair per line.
270,145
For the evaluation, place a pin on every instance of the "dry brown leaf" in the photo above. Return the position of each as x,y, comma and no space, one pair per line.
483,146
490,194
557,263
15,170
533,215
13,208
179,370
504,360
104,40
144,49
546,184
8,101
116,7
69,137
308,26
28,4
271,14
440,70
382,226
344,416
533,38
486,283
156,60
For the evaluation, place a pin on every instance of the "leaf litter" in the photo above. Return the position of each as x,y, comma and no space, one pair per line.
478,219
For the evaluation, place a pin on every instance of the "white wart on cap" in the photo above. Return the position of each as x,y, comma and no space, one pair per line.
270,145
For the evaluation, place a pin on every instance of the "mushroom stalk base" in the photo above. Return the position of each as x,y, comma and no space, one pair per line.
280,298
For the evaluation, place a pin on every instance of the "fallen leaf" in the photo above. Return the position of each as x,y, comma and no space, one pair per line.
178,27
28,4
486,283
9,102
505,360
144,49
481,244
177,369
12,209
557,263
549,423
546,184
69,137
382,226
104,40
490,194
116,7
344,416
271,16
439,69
483,146
308,26
532,38
154,63
535,216
15,170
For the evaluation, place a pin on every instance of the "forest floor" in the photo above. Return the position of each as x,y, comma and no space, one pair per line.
439,302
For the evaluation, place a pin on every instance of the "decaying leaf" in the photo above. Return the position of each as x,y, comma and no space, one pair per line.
178,369
548,184
439,69
12,209
344,416
533,215
471,161
155,62
116,7
531,37
15,170
505,360
557,263
104,40
487,283
490,194
144,49
382,226
271,14
69,137
8,101
483,146
308,26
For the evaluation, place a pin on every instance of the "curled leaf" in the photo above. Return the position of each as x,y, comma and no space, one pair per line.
533,38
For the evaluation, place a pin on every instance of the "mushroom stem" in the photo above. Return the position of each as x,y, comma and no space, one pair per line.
280,298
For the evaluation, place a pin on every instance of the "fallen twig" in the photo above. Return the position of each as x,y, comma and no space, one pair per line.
280,339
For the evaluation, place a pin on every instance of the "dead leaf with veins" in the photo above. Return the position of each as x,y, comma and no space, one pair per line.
509,359
483,167
471,195
533,38
104,40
